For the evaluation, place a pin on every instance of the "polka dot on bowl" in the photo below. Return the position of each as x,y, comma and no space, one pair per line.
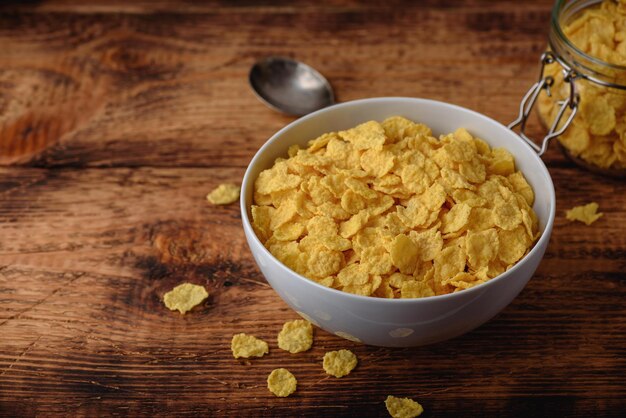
322,315
401,332
347,336
308,318
292,299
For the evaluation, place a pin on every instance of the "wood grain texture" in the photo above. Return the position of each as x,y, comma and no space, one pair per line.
73,82
117,118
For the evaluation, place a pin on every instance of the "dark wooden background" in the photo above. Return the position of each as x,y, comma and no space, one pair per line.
117,118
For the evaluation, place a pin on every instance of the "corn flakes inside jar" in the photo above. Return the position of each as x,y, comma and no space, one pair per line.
588,42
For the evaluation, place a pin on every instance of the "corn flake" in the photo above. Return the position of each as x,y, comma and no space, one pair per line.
449,262
353,274
507,214
185,297
403,407
397,128
321,142
502,162
354,224
281,382
586,214
454,179
296,336
246,346
276,179
322,262
339,363
457,218
404,253
396,280
521,186
481,248
514,245
463,281
599,115
352,202
384,290
289,231
224,194
369,135
362,290
377,163
376,260
416,289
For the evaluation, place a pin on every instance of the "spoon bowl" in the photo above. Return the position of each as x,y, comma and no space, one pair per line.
290,86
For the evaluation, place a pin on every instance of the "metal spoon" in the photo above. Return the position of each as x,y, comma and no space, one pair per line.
290,86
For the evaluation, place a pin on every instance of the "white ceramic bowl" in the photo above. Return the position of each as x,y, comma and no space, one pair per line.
400,322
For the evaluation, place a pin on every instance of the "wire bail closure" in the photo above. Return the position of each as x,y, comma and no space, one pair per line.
529,99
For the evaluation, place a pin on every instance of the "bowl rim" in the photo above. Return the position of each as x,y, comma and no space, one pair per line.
449,296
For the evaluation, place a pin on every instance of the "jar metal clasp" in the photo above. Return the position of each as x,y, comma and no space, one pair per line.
529,99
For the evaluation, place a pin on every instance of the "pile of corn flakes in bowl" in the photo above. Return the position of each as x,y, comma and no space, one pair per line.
397,221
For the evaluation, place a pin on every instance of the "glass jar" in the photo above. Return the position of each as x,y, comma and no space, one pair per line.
581,92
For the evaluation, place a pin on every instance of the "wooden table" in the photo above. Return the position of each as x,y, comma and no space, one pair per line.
116,119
